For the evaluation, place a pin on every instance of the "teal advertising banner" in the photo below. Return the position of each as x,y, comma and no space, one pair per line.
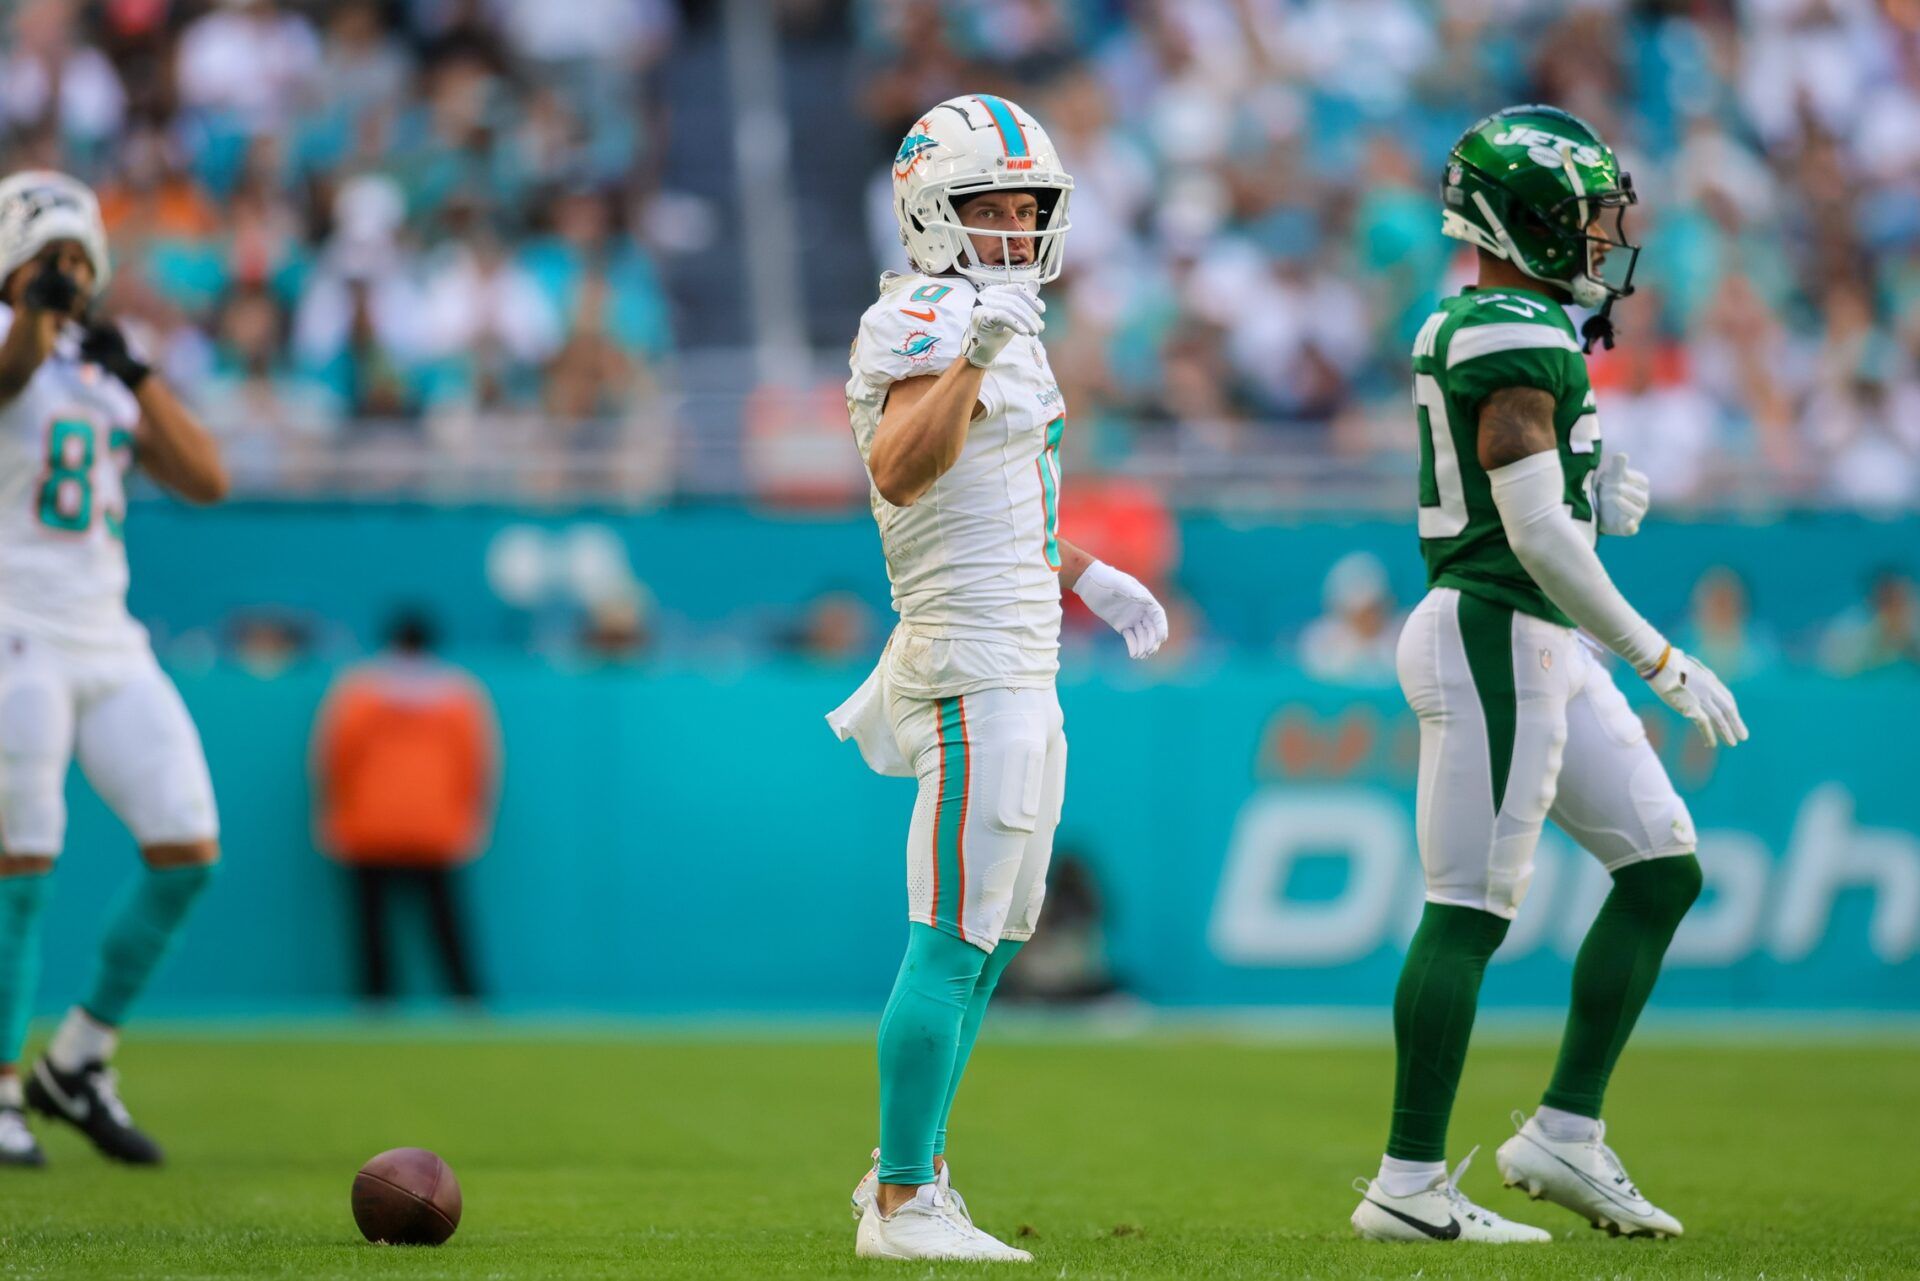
696,841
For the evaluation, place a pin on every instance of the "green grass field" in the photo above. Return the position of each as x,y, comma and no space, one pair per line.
1168,1156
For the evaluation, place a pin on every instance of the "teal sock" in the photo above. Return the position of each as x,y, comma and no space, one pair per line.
1433,1011
22,899
997,963
142,931
1614,974
919,1037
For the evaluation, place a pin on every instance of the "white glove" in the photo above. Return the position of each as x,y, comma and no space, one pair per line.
1689,688
999,313
1123,603
1621,496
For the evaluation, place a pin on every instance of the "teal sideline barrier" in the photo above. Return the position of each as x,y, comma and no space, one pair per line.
730,569
675,841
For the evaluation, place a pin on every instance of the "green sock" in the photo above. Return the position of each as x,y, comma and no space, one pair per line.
1614,975
22,899
997,963
919,1037
1432,1021
142,931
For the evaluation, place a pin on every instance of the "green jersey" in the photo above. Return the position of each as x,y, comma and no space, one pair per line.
1477,343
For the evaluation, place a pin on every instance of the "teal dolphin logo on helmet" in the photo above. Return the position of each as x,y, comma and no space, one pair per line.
912,147
1538,187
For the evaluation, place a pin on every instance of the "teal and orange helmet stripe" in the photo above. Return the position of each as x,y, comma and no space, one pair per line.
1012,136
950,819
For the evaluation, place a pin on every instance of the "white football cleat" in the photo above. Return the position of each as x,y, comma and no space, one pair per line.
1440,1213
869,1187
930,1226
1584,1176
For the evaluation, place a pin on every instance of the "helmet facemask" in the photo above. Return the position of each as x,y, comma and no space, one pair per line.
1048,234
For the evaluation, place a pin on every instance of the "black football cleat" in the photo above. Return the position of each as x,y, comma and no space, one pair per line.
18,1147
89,1101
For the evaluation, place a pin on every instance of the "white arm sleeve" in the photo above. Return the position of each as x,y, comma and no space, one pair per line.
1531,496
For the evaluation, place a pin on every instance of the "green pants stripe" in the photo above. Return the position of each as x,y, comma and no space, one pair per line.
1486,632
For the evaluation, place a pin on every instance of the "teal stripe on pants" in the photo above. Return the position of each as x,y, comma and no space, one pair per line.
950,819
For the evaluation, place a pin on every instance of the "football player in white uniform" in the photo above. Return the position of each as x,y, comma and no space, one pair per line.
77,677
959,419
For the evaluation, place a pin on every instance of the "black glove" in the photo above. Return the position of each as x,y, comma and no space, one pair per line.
105,346
52,289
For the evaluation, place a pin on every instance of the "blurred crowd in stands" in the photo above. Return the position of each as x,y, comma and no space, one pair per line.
360,216
446,221
1254,216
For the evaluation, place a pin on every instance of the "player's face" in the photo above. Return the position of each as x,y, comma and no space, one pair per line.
69,257
1608,257
1002,211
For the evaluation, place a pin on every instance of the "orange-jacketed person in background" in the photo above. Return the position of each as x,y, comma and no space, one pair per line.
406,768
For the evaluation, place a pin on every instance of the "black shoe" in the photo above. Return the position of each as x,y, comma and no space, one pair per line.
89,1101
17,1144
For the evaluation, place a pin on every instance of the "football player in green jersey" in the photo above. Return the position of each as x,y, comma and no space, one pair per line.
1520,720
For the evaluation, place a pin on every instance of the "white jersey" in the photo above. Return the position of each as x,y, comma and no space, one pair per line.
975,561
66,442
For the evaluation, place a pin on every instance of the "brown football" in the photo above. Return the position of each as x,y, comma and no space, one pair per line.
406,1197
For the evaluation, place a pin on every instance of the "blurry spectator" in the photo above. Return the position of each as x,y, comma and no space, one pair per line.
363,68
484,321
836,627
250,62
358,327
1881,634
618,627
1720,628
52,77
154,195
1651,410
406,763
597,277
1873,453
1353,640
266,642
270,416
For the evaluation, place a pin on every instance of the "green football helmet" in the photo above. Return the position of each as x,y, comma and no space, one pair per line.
1537,186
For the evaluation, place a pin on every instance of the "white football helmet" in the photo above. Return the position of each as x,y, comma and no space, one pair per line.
963,147
38,207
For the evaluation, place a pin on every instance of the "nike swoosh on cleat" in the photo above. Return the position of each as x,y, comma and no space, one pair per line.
75,1108
1451,1232
1605,1191
928,315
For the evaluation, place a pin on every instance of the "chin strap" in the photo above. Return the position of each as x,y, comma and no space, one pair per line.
1599,328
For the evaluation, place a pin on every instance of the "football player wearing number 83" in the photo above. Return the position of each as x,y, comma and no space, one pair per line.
77,677
959,419
1520,720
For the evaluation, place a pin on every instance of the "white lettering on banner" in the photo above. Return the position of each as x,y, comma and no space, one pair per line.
1725,925
1828,854
1255,924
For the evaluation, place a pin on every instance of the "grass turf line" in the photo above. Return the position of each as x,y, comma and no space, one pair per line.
1154,1158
